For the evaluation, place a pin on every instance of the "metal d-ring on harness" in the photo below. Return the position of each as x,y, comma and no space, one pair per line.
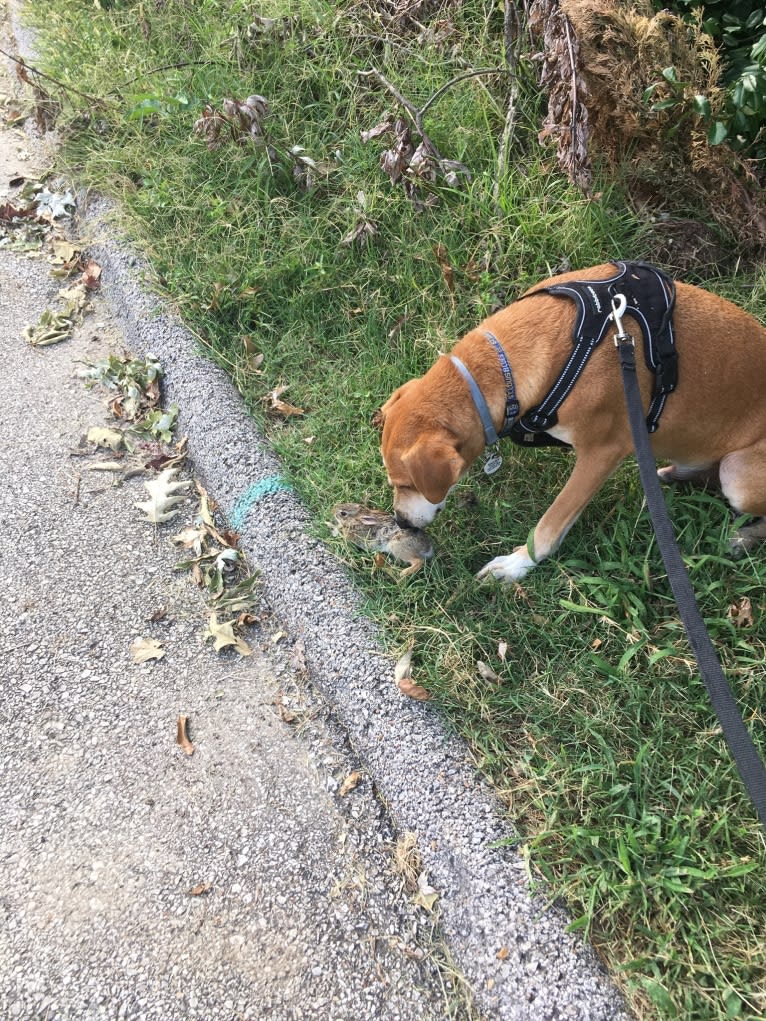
741,746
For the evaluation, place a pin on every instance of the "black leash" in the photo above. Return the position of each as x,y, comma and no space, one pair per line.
741,746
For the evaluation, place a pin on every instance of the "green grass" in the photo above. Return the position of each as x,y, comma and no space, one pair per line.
600,736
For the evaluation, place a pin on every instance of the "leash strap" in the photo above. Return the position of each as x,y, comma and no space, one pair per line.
741,746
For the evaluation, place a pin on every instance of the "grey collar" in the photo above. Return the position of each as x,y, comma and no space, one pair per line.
490,433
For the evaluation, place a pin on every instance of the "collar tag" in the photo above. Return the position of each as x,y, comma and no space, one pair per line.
493,461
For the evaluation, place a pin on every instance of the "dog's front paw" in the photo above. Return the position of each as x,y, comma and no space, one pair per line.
510,568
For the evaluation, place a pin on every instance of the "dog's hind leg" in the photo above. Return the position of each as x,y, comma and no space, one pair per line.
743,481
592,468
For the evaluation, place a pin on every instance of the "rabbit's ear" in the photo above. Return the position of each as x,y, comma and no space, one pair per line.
373,520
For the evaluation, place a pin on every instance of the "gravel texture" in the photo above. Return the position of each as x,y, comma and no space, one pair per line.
104,826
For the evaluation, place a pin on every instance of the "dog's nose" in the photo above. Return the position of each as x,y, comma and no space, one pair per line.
401,521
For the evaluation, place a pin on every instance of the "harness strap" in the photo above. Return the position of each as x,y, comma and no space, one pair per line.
650,296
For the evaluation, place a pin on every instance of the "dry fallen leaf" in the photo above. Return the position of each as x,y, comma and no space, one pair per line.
275,403
351,781
111,438
91,275
426,896
402,676
199,889
503,953
190,538
741,612
378,130
502,650
182,735
298,657
224,636
164,495
144,649
487,672
64,252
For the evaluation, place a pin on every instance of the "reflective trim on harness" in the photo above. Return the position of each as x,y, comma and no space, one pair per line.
650,296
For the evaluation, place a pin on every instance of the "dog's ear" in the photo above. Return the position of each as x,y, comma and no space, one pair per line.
434,466
379,417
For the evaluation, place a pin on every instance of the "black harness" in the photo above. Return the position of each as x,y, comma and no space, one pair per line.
651,296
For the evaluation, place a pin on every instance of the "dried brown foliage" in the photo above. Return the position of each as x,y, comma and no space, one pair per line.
408,16
239,120
599,58
568,97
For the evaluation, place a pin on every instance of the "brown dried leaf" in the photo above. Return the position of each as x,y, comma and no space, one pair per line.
402,676
363,230
182,736
396,160
199,889
487,672
442,257
224,636
426,896
280,407
567,118
741,612
144,649
298,657
91,275
351,781
378,130
416,691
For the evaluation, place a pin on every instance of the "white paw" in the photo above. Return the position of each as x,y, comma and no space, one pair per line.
510,568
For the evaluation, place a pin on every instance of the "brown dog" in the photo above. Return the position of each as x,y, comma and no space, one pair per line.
714,418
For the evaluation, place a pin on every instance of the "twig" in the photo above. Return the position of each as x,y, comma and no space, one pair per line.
50,78
417,114
510,38
458,78
165,67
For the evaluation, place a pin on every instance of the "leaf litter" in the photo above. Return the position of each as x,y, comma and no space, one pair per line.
217,567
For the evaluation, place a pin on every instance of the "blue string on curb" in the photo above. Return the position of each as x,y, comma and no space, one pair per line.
255,492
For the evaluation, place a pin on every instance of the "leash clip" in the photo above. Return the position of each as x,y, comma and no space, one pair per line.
619,304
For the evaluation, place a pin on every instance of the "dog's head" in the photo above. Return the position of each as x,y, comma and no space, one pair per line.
423,457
